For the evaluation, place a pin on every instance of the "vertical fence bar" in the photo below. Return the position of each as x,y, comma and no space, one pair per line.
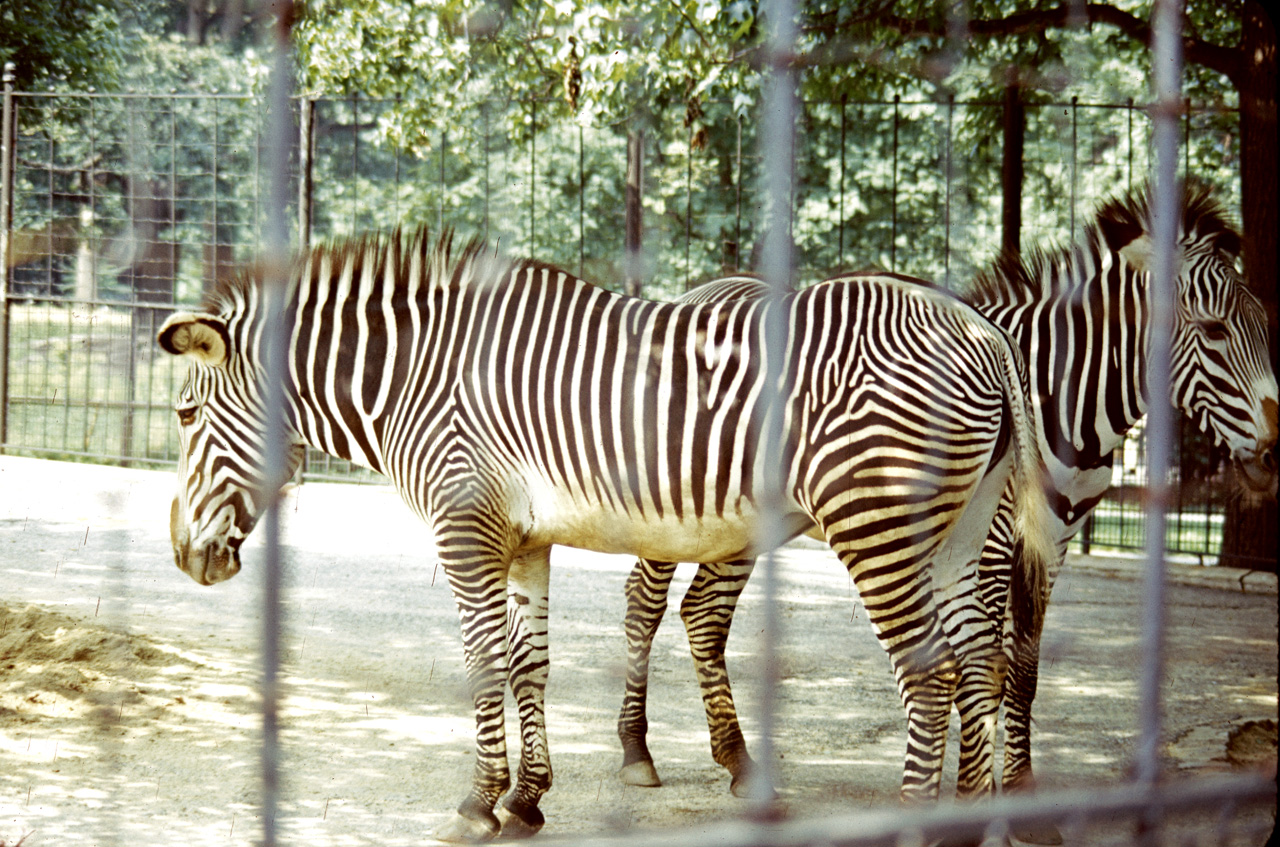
777,145
737,201
582,201
276,341
533,180
946,214
688,208
1075,161
893,240
484,129
355,162
1167,64
844,104
7,161
444,140
213,194
1129,163
1186,137
306,172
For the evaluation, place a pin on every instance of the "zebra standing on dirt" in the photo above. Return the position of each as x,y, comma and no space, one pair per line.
514,407
1080,319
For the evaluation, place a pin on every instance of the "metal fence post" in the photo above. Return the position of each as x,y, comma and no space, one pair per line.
306,168
844,108
777,144
893,240
1167,72
1075,160
7,159
946,226
275,444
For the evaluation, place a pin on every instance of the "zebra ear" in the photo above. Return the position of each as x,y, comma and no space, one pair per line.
201,336
1120,228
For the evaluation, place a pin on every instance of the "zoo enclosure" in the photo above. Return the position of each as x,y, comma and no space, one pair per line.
122,207
1145,801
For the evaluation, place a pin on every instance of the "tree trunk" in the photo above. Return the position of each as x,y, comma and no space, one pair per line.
633,272
1250,532
1015,129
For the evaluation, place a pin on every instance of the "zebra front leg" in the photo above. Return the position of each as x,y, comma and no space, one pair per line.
646,592
480,591
707,612
1019,694
528,666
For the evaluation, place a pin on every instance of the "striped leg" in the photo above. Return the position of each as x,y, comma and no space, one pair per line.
646,592
973,624
899,601
527,658
707,611
1020,692
475,550
891,561
480,592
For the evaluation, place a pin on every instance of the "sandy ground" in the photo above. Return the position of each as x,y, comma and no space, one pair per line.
128,703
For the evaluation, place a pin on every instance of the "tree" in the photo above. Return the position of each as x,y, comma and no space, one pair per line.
76,43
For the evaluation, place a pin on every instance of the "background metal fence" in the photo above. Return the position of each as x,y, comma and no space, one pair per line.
124,206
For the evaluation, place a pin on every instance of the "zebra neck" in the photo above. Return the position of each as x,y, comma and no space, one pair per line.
1079,318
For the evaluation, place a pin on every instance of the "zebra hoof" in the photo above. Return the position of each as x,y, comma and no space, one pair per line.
642,774
1038,833
525,823
744,787
464,830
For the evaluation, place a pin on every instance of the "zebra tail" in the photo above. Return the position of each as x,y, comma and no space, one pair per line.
1034,542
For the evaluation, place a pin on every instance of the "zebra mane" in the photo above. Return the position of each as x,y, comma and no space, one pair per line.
444,262
1117,222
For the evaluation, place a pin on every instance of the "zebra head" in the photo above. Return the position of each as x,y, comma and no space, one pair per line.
1221,369
222,487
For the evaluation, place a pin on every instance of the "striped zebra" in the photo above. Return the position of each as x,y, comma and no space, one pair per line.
514,407
1079,315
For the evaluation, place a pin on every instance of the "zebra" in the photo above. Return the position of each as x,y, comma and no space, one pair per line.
1078,314
515,406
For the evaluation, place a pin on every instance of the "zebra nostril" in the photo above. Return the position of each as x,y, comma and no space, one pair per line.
1268,460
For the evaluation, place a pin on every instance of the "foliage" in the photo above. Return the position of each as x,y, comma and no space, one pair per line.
71,44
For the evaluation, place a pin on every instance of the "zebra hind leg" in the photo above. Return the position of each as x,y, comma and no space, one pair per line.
1020,692
529,664
707,612
646,593
899,601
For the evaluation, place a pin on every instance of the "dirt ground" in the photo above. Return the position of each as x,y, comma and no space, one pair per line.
128,700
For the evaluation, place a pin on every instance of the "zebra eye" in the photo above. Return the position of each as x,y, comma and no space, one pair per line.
1215,330
186,415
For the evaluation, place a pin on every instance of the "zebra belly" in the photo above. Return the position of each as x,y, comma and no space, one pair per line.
557,518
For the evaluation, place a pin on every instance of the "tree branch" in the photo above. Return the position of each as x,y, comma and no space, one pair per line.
1224,60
